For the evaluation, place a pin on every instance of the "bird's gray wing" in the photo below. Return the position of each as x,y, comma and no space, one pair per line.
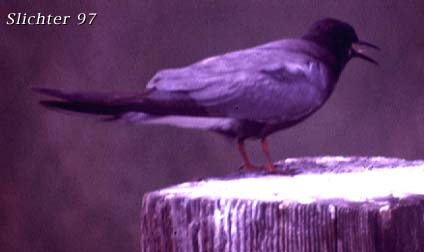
281,80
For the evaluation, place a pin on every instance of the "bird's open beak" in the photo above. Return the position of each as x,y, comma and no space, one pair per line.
358,52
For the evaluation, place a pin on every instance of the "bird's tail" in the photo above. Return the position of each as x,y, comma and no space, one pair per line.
109,105
149,107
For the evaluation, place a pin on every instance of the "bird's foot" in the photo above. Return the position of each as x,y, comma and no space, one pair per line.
258,168
284,171
250,168
269,168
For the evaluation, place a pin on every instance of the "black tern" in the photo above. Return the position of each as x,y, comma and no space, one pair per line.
244,94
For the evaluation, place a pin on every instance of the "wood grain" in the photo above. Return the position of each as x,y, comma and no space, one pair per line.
254,212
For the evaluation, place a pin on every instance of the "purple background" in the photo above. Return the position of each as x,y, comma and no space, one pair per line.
75,184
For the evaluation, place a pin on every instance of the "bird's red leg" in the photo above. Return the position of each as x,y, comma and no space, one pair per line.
246,163
269,165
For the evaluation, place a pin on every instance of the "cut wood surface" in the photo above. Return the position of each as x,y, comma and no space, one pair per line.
315,204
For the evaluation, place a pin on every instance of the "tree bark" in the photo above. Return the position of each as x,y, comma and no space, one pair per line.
315,204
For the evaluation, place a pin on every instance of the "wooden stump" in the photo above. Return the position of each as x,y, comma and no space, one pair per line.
321,204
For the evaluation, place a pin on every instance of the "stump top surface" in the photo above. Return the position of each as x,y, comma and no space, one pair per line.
311,179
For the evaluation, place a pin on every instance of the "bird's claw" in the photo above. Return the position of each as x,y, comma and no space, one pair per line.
250,168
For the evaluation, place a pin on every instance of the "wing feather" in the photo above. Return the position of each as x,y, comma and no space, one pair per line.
269,82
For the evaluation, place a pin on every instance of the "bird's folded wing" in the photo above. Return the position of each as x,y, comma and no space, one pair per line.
269,82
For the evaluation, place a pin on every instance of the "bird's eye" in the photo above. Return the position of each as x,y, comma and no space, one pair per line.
351,53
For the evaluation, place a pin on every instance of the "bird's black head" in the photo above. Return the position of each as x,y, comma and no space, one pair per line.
338,37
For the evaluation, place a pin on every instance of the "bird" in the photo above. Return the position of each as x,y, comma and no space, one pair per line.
246,94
